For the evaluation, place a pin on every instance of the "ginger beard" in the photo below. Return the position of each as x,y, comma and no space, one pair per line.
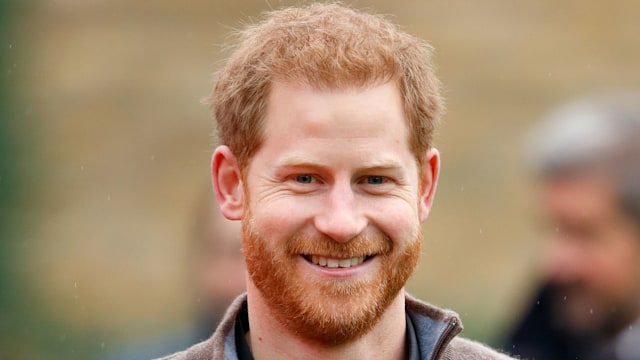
327,311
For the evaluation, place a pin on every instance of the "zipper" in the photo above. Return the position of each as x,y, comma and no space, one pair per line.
444,339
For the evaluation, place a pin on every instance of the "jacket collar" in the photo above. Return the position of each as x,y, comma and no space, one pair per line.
434,328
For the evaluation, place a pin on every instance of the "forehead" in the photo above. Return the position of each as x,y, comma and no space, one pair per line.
335,112
585,197
355,127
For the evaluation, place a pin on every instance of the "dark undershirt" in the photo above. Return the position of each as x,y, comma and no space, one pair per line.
244,352
241,329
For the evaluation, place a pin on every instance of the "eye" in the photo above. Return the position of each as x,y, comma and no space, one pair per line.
376,180
378,184
304,179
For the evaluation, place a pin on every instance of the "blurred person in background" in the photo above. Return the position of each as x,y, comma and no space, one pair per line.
587,158
216,269
216,263
326,116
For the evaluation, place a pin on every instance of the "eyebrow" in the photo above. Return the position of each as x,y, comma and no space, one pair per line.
296,161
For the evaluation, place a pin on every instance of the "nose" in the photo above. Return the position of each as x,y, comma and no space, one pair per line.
565,261
339,217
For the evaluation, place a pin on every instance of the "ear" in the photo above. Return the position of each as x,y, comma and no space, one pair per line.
227,182
428,182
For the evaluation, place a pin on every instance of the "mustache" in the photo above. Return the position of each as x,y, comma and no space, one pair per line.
568,290
362,245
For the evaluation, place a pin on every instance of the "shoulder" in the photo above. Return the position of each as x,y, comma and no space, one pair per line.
440,326
200,351
181,355
220,344
461,348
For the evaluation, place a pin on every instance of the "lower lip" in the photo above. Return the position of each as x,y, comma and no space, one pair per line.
340,272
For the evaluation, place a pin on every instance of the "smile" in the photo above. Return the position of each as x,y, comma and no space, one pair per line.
336,263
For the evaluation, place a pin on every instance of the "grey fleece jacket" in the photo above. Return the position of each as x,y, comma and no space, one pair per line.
436,331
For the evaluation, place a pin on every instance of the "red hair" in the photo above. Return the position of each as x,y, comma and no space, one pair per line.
325,46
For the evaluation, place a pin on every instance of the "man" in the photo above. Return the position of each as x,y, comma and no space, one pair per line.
587,155
326,118
216,270
215,262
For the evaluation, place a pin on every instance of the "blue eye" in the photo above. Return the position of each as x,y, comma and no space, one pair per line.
304,179
375,180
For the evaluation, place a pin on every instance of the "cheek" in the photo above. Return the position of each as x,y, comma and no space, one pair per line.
224,276
618,265
399,222
279,220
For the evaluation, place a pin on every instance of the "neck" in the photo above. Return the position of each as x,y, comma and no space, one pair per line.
268,339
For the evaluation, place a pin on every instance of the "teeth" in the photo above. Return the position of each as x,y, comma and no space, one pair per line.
335,263
345,263
322,261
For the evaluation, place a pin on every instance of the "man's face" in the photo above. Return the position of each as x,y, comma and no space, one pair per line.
593,255
332,224
220,263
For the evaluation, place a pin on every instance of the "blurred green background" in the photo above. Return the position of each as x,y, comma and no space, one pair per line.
104,150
